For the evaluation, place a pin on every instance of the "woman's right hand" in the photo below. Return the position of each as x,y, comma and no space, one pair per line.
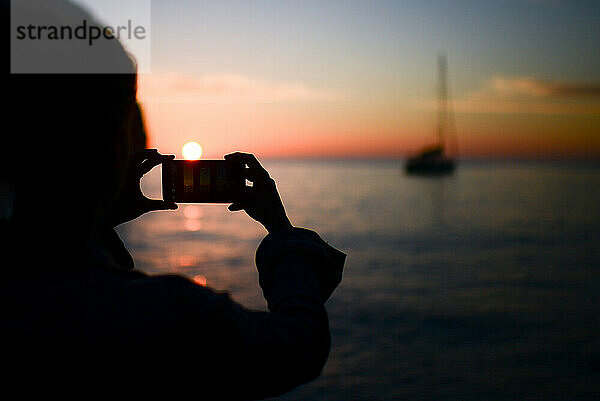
261,201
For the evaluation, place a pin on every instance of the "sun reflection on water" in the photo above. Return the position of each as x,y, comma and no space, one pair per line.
192,212
200,280
192,225
192,220
186,260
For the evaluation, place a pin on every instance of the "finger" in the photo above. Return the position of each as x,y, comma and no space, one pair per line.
138,158
156,156
148,165
148,154
234,207
234,156
157,204
253,163
144,154
258,178
255,169
153,161
247,158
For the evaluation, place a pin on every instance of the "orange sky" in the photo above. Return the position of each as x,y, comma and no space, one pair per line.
358,79
288,121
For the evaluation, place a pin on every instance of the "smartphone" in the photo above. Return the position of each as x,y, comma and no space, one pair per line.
202,181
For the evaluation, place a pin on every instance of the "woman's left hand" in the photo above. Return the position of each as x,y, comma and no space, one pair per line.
131,202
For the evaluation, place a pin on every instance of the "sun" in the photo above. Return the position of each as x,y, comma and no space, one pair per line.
191,151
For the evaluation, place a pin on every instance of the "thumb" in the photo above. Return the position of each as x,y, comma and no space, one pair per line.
157,204
235,207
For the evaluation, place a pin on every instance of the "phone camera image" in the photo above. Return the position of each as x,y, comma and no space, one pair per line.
202,181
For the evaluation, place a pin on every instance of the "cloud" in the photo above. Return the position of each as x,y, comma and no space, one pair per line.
226,88
529,86
528,95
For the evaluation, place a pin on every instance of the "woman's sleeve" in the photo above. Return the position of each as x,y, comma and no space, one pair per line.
272,352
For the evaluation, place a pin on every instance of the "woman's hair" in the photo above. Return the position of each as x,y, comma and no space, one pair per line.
66,139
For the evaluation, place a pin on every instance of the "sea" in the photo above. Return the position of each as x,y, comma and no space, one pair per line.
480,285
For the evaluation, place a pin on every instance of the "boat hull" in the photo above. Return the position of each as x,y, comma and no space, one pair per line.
430,168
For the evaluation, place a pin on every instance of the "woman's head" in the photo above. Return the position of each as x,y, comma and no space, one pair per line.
67,137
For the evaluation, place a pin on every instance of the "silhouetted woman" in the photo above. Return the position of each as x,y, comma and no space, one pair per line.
76,318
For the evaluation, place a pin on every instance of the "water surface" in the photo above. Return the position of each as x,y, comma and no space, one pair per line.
481,285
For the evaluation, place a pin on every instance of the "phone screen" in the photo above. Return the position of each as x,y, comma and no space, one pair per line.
202,181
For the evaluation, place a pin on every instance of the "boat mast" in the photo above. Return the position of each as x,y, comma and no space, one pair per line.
442,98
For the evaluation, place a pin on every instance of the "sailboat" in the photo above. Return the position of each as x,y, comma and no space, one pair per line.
434,160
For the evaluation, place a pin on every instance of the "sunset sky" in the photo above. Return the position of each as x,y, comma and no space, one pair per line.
358,78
